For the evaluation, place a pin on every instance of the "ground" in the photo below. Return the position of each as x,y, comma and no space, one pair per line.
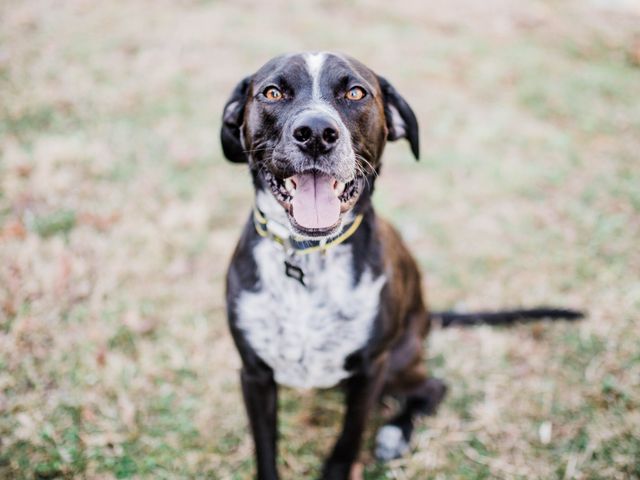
118,215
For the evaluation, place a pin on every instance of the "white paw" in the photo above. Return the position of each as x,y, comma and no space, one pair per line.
390,443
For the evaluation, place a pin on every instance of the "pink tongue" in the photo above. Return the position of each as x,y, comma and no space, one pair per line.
314,203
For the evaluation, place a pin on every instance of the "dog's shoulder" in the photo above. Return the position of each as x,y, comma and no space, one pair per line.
242,273
394,250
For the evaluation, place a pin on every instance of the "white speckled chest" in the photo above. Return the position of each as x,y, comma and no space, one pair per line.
306,333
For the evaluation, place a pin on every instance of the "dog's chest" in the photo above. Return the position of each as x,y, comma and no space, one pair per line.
305,333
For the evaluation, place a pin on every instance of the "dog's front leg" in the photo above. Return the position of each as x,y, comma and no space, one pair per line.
261,400
363,389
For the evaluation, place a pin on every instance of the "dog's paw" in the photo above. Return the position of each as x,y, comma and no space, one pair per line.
390,443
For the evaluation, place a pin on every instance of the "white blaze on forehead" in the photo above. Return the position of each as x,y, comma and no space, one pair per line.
315,62
314,65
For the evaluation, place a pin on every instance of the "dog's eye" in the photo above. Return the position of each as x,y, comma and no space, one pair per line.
356,93
272,93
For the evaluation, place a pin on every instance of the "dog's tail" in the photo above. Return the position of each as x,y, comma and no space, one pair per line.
504,317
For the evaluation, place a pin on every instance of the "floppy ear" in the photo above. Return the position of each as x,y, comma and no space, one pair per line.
232,119
401,121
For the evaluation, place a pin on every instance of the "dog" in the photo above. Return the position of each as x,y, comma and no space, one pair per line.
321,291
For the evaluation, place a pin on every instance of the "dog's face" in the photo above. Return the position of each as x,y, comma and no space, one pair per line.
312,128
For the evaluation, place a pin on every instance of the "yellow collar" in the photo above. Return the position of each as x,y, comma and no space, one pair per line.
296,245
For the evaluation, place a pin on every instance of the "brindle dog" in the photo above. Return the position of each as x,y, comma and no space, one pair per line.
320,290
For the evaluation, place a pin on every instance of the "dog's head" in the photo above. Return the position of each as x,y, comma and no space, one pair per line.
312,128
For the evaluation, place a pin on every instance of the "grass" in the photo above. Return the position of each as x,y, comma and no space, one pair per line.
118,215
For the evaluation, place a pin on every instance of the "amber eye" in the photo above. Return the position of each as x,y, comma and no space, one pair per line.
272,93
356,93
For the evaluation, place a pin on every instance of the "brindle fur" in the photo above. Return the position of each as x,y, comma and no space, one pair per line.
392,360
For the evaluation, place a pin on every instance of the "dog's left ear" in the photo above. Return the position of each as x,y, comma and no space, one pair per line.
401,121
232,119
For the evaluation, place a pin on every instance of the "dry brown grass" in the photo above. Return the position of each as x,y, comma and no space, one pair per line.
118,215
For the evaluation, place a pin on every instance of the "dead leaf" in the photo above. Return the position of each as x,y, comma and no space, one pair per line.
13,229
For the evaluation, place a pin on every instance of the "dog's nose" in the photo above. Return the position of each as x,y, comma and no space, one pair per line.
316,133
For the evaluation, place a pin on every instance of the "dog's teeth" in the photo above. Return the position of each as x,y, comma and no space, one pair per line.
290,185
338,188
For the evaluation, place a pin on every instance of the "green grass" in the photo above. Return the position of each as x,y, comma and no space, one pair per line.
118,216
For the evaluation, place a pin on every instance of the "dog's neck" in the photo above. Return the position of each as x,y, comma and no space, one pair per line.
272,222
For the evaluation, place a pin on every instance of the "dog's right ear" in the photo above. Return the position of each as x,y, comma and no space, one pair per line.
232,119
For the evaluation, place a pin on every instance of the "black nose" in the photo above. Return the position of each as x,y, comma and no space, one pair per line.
315,133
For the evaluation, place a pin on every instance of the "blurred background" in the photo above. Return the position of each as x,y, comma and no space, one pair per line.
118,215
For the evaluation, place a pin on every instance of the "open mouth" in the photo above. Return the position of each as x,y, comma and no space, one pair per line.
314,200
